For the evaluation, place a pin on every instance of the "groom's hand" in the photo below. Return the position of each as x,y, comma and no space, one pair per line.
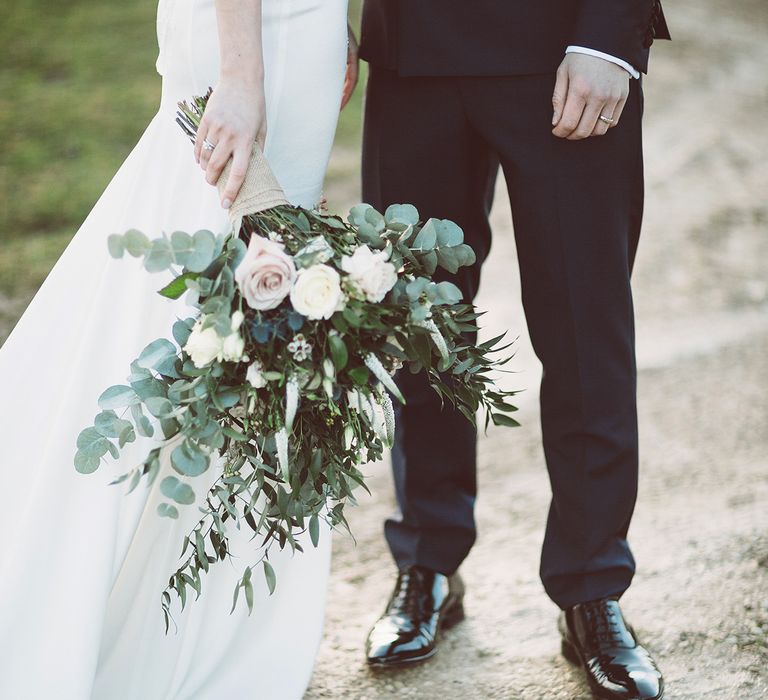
587,87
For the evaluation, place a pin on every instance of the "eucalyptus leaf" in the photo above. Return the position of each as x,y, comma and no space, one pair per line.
166,510
449,233
85,463
202,252
156,352
269,575
405,214
182,330
189,460
182,246
115,245
108,424
177,490
136,243
314,529
444,293
118,396
160,256
159,406
427,237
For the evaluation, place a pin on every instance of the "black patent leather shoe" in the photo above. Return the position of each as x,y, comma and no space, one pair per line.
423,604
596,637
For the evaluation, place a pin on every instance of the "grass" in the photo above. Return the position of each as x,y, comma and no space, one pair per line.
77,88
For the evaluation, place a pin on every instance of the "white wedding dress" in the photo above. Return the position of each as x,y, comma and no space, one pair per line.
82,565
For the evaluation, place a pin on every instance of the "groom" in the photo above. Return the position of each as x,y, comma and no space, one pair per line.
551,92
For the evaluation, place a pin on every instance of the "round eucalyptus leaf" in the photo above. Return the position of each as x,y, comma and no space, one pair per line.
203,250
181,244
405,214
86,464
136,243
126,435
148,387
118,396
155,353
427,237
449,233
159,406
357,214
92,443
166,510
182,330
109,424
187,459
115,245
160,256
177,490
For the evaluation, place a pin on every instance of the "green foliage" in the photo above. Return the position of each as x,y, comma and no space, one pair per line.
291,416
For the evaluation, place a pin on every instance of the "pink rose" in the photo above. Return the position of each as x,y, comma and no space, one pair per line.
265,274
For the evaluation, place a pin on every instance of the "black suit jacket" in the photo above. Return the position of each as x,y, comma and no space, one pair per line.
504,37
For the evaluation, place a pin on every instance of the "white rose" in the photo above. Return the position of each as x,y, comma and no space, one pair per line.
232,347
370,272
316,293
203,345
255,375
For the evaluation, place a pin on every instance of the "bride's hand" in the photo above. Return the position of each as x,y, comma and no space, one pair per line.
234,118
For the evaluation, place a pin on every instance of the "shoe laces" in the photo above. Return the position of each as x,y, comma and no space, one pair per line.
605,625
408,596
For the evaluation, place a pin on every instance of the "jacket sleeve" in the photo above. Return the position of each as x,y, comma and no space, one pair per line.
621,28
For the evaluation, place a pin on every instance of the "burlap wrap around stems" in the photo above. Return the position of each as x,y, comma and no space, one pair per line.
260,190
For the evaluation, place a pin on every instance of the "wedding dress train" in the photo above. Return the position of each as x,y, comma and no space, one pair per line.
82,565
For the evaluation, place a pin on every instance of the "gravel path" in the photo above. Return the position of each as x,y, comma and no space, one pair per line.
700,533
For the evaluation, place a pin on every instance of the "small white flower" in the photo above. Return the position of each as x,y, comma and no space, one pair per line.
232,348
255,375
300,347
319,248
317,293
204,345
237,320
370,272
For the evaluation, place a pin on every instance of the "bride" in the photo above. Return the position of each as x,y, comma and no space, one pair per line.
82,565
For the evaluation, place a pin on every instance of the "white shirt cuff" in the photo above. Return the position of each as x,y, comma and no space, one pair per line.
606,56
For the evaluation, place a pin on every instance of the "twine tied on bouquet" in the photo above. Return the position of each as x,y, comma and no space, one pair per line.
260,190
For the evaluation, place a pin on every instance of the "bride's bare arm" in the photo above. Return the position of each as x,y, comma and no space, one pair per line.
235,115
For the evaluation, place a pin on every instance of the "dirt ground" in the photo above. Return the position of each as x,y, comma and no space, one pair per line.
700,533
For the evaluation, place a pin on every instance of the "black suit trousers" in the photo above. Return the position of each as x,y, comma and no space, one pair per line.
577,207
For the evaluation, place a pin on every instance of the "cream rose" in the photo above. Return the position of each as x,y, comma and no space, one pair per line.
265,274
316,293
370,272
204,345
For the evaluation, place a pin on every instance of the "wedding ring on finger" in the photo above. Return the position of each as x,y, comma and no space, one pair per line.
607,120
207,145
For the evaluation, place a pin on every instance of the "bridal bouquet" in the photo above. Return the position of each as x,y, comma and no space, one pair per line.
284,374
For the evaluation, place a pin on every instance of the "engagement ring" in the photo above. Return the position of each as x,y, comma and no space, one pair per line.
607,120
208,146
